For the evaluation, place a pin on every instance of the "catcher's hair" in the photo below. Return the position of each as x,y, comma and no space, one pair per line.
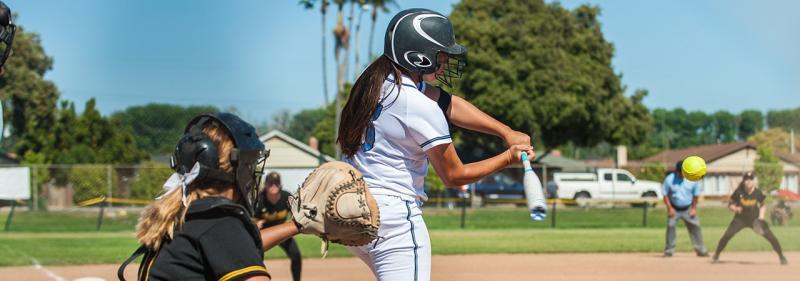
163,216
364,96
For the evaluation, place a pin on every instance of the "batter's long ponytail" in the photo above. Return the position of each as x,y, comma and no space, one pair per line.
360,106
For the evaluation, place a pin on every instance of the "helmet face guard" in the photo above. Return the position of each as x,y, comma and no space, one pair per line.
248,157
453,69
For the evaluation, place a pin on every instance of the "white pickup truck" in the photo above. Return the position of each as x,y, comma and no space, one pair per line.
614,184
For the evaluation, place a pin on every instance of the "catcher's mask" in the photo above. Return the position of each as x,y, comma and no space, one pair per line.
7,31
414,39
247,157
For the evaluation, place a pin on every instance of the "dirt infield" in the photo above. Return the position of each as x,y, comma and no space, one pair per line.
637,266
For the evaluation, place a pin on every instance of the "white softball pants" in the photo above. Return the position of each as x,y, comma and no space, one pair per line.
403,250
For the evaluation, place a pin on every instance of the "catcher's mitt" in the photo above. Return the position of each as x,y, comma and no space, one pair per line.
335,204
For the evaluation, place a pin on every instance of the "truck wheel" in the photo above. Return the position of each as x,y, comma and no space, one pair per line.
647,195
582,199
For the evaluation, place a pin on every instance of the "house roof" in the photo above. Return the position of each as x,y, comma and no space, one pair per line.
791,158
708,152
566,164
296,143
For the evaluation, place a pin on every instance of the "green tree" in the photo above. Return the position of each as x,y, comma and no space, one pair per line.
777,139
545,70
149,180
324,131
303,123
724,126
652,171
29,100
768,169
157,127
750,122
91,181
787,119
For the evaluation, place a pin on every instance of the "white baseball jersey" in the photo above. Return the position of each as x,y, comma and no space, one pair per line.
409,124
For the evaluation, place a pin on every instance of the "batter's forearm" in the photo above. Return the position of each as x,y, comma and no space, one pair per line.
473,172
465,115
762,212
694,202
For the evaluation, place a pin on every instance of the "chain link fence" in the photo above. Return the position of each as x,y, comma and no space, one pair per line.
61,187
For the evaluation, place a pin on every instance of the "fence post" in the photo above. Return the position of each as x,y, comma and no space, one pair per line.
34,188
553,216
644,214
463,208
100,217
108,181
10,215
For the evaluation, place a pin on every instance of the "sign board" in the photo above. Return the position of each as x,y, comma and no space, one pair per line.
15,183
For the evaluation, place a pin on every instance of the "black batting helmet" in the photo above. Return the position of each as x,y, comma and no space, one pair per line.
415,37
247,157
7,31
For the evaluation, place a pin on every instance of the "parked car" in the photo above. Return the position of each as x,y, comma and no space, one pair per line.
603,184
499,186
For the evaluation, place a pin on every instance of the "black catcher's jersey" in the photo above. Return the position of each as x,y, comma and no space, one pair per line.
750,203
218,241
273,214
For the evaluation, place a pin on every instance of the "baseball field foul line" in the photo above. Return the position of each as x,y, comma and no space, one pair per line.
37,265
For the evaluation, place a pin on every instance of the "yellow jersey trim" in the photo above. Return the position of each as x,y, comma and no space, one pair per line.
235,273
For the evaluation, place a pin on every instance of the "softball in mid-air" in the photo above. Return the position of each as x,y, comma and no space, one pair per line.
693,168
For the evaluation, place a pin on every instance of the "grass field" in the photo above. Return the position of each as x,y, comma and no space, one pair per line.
70,238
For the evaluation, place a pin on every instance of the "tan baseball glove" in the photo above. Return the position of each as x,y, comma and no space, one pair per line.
335,204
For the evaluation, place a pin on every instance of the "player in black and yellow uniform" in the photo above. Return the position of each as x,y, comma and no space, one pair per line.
201,228
273,209
747,202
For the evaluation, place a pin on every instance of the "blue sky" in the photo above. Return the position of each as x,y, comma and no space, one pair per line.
264,56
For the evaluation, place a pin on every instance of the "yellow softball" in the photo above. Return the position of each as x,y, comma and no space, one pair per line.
693,168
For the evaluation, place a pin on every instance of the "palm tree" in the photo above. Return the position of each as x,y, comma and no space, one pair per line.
342,35
363,7
376,4
309,4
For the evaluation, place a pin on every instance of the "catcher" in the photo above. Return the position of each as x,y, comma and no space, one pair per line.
201,227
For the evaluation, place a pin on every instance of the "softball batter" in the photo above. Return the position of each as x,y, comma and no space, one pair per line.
394,124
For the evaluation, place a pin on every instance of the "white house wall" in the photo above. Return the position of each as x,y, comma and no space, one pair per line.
285,155
291,178
724,174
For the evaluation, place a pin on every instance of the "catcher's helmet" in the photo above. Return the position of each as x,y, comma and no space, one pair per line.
247,158
415,37
7,31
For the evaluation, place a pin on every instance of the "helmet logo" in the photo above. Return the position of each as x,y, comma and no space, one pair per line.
417,59
418,26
